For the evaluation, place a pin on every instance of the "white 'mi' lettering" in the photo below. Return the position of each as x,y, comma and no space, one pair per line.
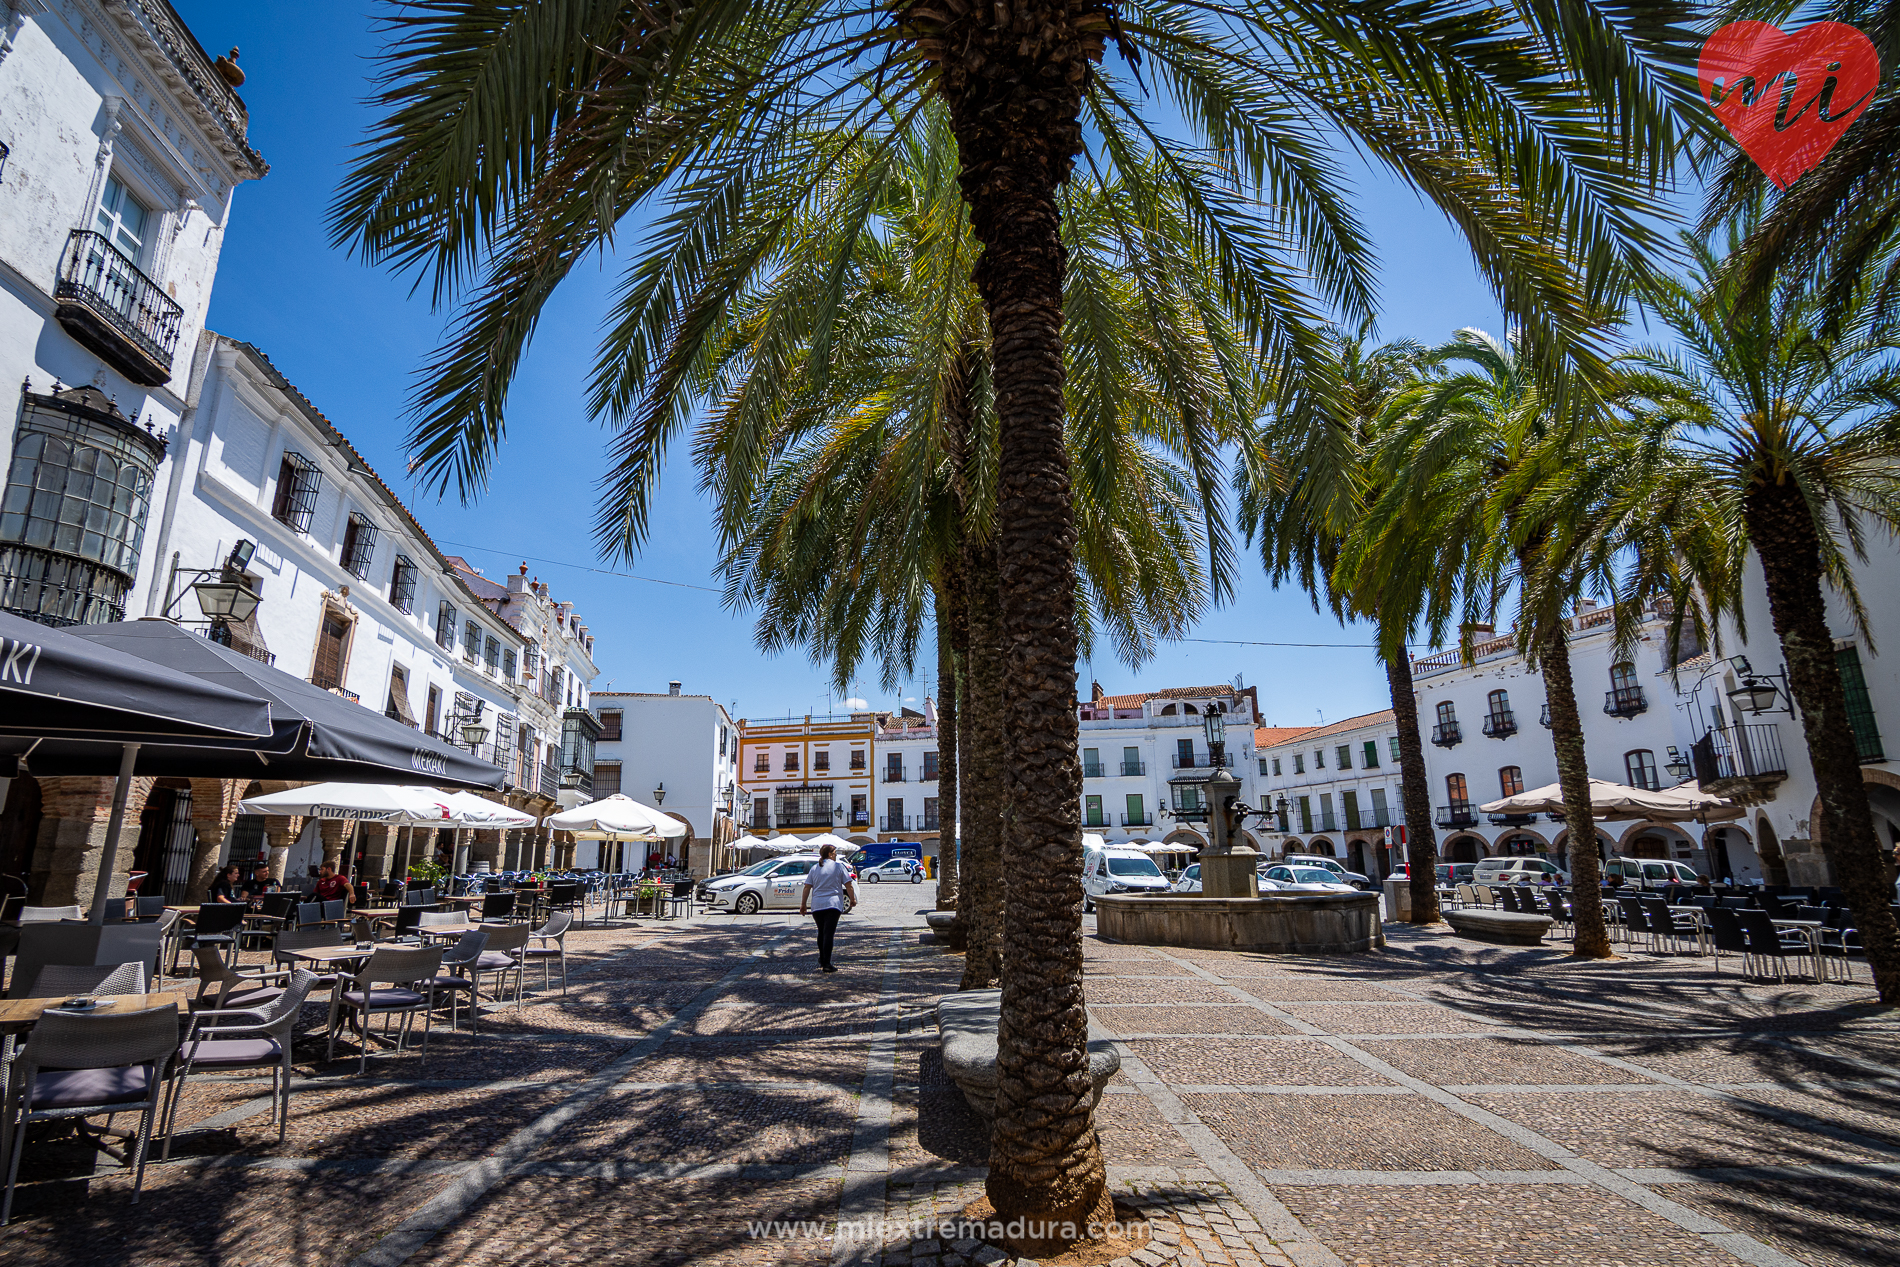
11,667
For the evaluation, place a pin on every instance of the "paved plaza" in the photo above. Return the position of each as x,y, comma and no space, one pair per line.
702,1096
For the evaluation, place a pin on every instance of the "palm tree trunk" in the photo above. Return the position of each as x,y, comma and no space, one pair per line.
1014,77
1415,793
949,616
980,899
1573,776
1782,530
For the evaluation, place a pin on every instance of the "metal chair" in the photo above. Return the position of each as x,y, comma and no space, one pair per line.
309,914
216,924
266,1044
498,908
358,997
555,931
463,954
148,905
57,979
1726,930
1766,943
336,910
305,939
500,956
235,989
680,899
1664,922
84,1066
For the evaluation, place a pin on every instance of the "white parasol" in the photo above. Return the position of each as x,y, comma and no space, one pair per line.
1620,803
617,817
479,812
357,802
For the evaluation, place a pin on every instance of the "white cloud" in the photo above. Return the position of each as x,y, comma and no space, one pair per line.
856,705
910,699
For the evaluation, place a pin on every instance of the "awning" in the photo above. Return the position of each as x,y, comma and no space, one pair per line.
617,817
357,803
1620,803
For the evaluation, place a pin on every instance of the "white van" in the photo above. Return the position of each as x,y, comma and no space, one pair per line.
1648,873
1119,870
1518,870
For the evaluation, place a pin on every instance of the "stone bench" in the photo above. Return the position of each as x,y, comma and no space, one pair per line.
1511,927
944,928
967,1024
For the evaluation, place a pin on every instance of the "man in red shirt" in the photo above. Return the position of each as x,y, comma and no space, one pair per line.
331,886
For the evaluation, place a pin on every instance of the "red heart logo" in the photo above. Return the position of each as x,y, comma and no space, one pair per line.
1786,96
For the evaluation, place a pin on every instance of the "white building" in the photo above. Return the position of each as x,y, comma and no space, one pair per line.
1486,738
120,146
1145,757
905,749
675,751
1332,790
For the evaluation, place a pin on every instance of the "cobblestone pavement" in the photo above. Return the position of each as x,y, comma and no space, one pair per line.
699,1094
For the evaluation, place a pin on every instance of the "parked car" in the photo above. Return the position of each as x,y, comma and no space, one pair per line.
1648,873
1445,873
1518,870
776,883
1119,870
1353,878
897,870
1190,880
1305,879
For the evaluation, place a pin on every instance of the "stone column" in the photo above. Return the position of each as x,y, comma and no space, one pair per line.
336,838
280,832
75,813
213,805
379,854
486,847
1227,868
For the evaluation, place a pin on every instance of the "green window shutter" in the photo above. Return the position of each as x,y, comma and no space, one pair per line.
1306,815
1349,801
1860,708
1372,754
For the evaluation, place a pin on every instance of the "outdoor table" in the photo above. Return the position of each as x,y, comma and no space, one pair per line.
1810,929
448,930
326,954
19,1015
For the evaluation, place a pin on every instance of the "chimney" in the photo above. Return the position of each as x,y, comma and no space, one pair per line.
1095,691
672,688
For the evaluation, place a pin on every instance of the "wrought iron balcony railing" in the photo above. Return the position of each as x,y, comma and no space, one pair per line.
1739,752
894,822
1134,769
1457,814
106,303
1138,820
1625,701
1447,734
1094,770
1500,725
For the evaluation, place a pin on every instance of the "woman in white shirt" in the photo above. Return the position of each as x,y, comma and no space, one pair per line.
826,886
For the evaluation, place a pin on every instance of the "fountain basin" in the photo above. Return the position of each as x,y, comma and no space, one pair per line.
1278,923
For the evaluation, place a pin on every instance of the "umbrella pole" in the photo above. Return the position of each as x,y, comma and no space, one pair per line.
109,856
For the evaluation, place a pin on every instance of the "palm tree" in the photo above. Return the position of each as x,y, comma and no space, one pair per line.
516,136
1302,491
1796,436
853,463
1476,453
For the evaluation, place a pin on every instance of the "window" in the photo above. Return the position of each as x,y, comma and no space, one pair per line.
1263,766
1131,762
1265,808
821,759
1344,754
298,484
435,710
606,778
79,488
1371,758
1455,790
894,814
402,584
1381,816
1447,715
123,220
508,664
445,626
930,815
1137,811
857,758
1641,768
610,721
930,766
1498,703
359,544
1860,708
1092,812
1189,797
1319,758
1349,806
761,763
1392,745
491,655
791,763
1510,780
1622,676
1326,812
761,812
397,709
471,641
1168,711
333,638
1306,814
1276,765
893,767
1184,754
1299,763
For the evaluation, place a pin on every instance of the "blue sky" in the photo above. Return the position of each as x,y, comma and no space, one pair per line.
351,337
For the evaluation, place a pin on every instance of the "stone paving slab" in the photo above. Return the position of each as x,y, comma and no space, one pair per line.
756,1123
1824,1221
1291,1062
1487,1059
1235,1018
1405,1132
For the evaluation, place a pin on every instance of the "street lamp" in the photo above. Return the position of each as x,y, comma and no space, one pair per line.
1677,765
659,794
474,733
1214,723
1757,693
226,600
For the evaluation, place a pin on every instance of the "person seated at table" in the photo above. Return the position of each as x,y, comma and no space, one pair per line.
332,887
260,883
224,887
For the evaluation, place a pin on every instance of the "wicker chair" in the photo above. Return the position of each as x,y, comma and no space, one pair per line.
49,914
57,979
265,1044
358,997
84,1066
234,989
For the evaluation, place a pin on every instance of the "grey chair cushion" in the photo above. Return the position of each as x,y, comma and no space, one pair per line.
384,998
494,959
232,1052
542,950
452,983
70,1088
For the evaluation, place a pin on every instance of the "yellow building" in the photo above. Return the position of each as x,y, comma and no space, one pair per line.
805,775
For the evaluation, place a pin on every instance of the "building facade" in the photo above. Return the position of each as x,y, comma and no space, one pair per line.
905,752
1145,759
806,775
679,753
121,144
1332,790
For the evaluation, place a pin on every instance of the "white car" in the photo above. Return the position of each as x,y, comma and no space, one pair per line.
776,883
1303,879
1119,870
1190,882
896,869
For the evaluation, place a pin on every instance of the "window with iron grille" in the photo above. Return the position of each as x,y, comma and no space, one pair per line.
359,544
491,655
508,664
402,584
471,641
531,658
606,778
445,626
1860,707
1344,756
298,483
